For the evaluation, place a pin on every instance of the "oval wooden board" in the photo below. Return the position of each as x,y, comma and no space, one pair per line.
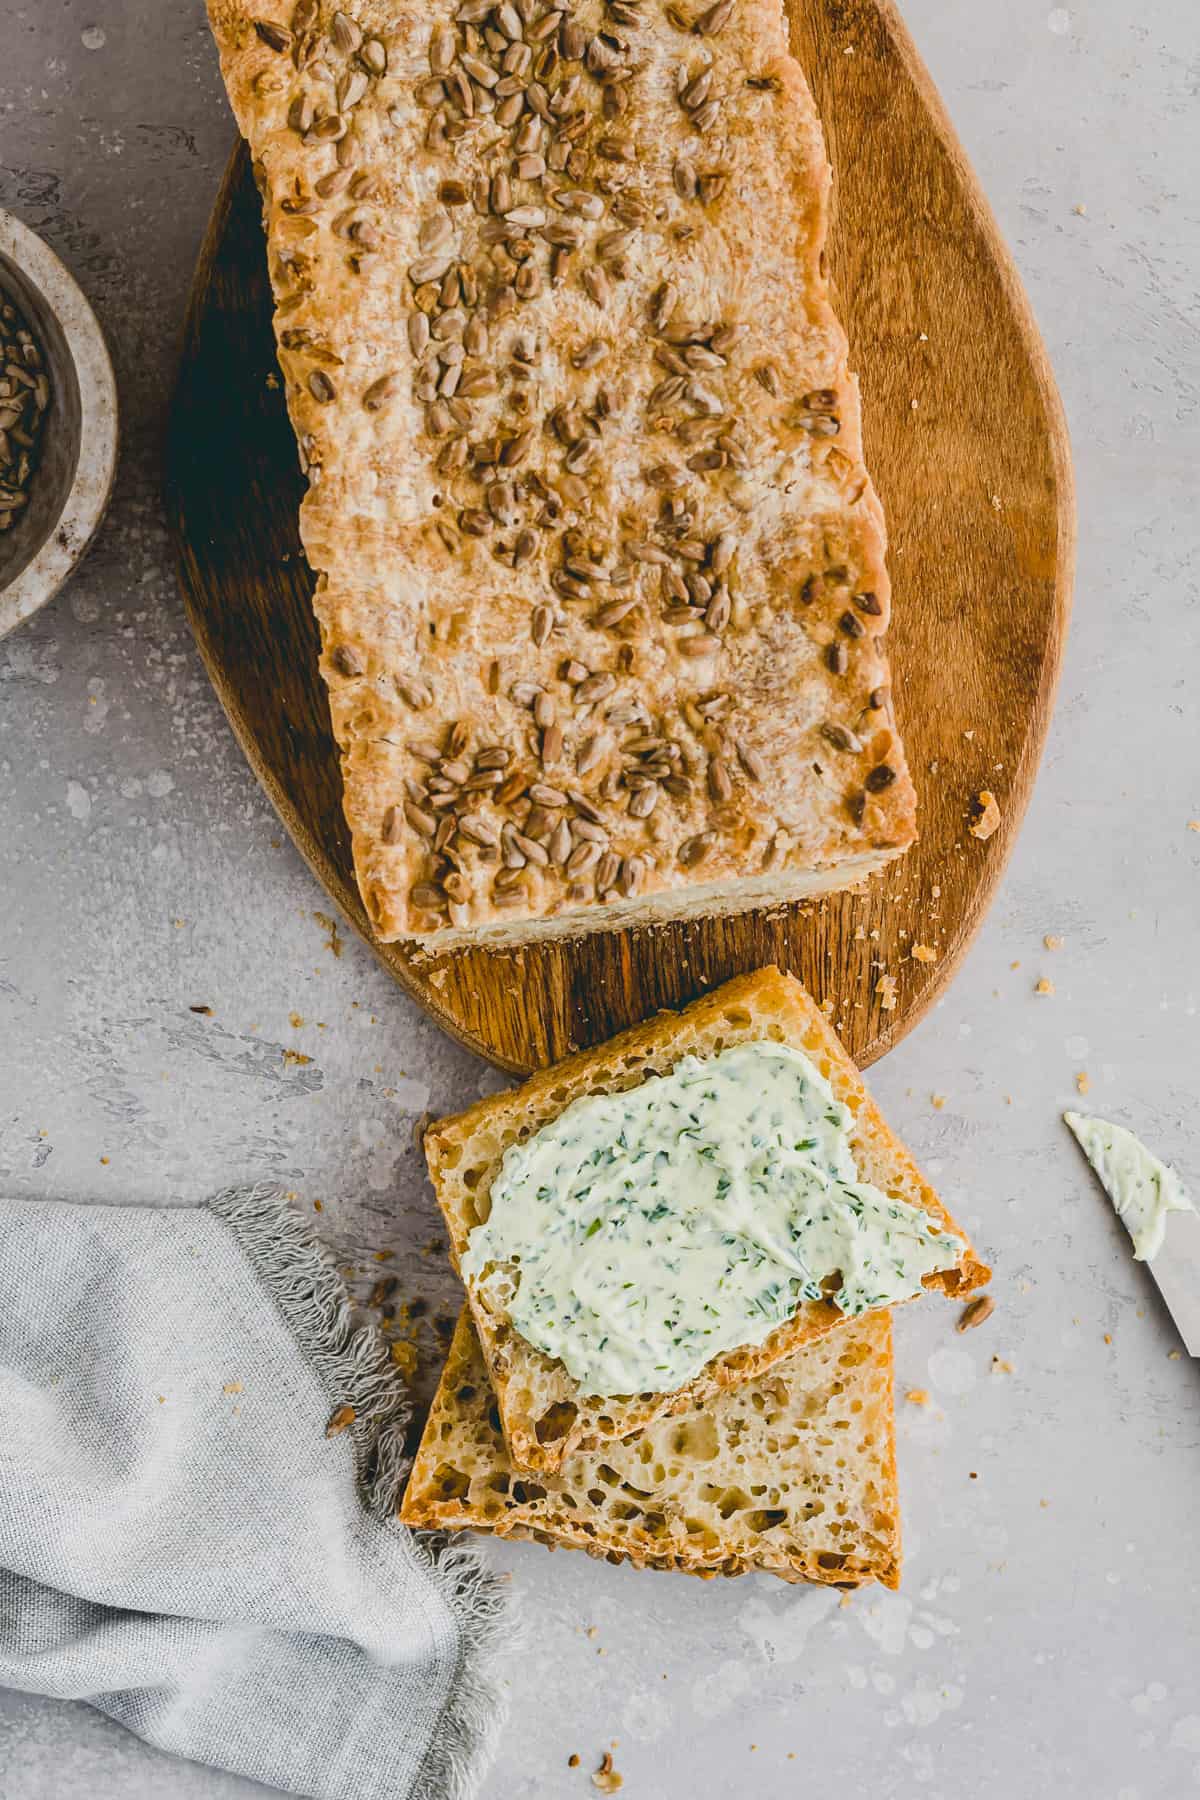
966,440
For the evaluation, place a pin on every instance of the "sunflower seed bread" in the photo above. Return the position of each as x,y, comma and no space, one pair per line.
794,1473
545,1416
601,574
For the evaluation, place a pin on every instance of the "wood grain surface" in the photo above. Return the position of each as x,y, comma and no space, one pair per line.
967,444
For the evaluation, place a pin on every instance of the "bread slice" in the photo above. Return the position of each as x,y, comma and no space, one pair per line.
544,1414
601,571
795,1472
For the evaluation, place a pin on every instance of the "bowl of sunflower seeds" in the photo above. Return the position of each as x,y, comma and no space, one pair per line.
58,423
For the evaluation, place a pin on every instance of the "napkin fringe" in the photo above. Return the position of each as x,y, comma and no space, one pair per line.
348,1354
464,1743
357,1370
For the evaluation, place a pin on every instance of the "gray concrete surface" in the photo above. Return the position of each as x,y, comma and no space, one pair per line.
1046,1639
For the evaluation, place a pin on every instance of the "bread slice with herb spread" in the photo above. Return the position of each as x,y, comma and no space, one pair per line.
794,1472
546,1413
601,576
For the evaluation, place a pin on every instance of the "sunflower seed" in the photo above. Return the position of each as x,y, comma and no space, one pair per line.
606,871
559,847
478,829
572,40
351,89
588,206
694,850
696,92
275,37
381,392
320,386
881,777
714,19
442,49
547,797
841,738
583,859
643,802
717,613
597,687
422,822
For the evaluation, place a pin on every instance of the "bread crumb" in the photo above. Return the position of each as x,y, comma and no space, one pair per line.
338,1421
1001,1366
572,1761
987,814
1194,824
885,987
592,1631
937,1101
295,1059
1080,209
1014,965
1052,942
1108,1337
104,1160
295,1020
922,953
232,1387
1043,1504
1174,1355
318,1206
1083,1081
606,1777
997,503
335,941
917,1397
1044,986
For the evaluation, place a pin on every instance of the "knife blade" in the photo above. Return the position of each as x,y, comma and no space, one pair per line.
1176,1269
1154,1208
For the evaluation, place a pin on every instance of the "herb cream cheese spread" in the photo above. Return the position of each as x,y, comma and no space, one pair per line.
1142,1189
641,1233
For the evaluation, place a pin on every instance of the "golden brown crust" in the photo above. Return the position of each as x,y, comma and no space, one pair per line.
795,1473
545,1417
521,756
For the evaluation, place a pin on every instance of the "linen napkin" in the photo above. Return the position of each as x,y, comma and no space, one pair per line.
184,1546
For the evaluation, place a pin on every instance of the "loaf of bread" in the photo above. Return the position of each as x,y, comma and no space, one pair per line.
794,1473
545,1415
601,576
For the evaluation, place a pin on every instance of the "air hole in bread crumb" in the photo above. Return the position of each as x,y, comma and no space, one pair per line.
451,1483
556,1421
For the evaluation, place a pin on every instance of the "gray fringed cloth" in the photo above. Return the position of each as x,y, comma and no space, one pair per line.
180,1542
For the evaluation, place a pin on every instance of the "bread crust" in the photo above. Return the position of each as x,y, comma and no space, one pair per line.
795,1475
519,760
545,1417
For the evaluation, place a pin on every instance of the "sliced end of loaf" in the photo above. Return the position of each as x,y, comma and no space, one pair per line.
713,900
794,1473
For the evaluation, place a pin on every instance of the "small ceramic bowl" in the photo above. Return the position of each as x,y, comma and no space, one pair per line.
77,453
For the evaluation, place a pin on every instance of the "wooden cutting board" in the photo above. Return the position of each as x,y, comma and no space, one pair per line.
966,439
